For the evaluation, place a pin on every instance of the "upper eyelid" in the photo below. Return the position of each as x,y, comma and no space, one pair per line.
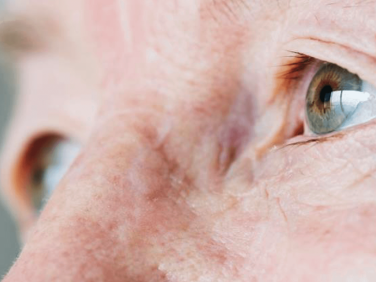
333,52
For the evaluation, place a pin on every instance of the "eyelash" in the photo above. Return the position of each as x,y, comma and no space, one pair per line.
294,70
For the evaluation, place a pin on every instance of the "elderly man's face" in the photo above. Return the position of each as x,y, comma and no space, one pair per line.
221,140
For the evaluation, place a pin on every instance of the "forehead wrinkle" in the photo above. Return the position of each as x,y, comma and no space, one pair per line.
26,33
351,3
230,9
341,4
124,12
235,9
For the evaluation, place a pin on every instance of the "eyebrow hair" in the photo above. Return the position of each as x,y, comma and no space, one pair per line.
20,34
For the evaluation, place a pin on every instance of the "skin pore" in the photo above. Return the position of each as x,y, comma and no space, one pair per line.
194,165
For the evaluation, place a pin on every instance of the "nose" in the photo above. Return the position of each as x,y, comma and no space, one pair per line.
91,228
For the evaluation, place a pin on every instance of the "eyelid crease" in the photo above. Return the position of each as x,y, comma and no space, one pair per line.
314,140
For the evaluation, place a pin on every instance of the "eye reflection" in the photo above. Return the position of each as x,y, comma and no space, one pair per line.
338,99
51,163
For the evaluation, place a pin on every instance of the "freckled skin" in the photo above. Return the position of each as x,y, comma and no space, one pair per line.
178,113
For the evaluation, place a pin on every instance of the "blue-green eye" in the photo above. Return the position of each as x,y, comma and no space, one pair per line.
51,162
338,99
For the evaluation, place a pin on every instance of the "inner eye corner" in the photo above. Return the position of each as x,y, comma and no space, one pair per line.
299,130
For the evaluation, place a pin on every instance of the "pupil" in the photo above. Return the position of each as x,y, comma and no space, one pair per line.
326,93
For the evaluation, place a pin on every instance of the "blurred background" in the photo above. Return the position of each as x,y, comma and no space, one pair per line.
8,236
9,246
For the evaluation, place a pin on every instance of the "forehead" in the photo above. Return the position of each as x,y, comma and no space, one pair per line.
126,19
116,32
123,18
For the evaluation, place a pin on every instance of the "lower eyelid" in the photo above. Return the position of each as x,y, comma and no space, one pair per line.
313,140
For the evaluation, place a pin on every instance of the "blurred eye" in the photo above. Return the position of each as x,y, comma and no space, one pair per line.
338,99
50,162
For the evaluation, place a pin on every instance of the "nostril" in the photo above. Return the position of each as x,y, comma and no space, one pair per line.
35,174
50,163
44,163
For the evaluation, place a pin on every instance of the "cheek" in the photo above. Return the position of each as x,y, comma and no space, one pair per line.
338,241
326,194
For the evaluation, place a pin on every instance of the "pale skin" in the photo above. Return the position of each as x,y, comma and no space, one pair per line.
193,166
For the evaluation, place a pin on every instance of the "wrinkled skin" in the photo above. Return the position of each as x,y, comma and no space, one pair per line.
191,166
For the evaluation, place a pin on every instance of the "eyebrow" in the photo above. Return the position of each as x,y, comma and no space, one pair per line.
20,34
